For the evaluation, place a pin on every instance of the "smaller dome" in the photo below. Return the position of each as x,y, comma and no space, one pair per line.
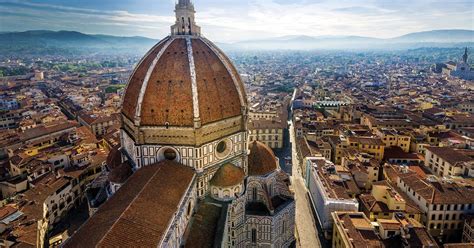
121,173
228,175
261,159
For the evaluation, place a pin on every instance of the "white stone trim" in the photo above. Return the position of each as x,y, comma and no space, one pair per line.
228,68
138,65
192,70
145,81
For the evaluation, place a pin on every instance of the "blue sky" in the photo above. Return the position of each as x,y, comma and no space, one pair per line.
235,20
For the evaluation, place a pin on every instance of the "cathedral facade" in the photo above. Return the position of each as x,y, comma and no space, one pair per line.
461,70
185,173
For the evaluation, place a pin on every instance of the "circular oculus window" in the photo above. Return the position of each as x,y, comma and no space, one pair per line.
223,148
167,153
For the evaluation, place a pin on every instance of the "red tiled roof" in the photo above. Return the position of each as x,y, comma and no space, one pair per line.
140,211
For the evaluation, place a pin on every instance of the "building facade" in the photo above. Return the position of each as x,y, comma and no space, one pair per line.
330,189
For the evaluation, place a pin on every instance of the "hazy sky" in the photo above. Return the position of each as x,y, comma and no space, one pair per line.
234,20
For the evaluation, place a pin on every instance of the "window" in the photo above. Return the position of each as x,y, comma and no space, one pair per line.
254,235
189,209
170,154
221,147
254,194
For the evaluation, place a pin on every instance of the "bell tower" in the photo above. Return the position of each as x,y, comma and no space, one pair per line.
465,56
185,23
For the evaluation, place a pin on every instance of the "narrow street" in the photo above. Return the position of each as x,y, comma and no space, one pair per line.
306,232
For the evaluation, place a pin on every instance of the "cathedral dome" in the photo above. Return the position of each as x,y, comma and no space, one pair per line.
185,90
261,160
183,80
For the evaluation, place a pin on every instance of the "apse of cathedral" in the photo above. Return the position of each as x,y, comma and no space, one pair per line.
185,173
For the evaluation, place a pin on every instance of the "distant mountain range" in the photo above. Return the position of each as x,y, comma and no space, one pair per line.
435,38
42,42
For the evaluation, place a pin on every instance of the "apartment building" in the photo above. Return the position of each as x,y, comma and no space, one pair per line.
393,137
447,161
373,146
331,188
354,230
385,201
445,203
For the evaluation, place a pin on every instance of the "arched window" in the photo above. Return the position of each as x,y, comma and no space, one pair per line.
254,235
189,24
254,194
182,24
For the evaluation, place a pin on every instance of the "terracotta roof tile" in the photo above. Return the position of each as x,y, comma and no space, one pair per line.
140,211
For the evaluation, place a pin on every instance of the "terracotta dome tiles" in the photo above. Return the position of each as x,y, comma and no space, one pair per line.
228,175
168,97
261,160
136,80
218,97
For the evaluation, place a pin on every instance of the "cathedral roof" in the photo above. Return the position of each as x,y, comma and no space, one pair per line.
150,198
261,160
182,80
228,175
